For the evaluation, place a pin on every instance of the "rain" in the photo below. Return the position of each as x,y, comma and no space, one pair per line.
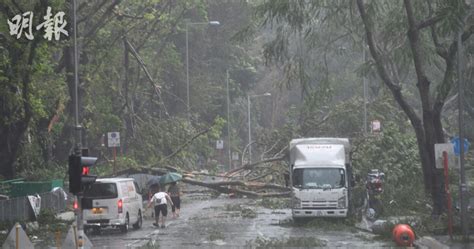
246,124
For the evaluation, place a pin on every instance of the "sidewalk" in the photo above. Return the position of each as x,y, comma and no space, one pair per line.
441,242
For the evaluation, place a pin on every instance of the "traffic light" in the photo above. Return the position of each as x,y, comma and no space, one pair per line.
86,162
79,172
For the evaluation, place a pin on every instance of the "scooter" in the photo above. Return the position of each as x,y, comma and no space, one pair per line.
374,189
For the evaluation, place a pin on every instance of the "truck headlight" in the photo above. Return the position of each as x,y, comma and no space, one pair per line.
296,202
341,202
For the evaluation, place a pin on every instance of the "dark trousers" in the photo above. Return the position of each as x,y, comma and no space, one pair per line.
176,203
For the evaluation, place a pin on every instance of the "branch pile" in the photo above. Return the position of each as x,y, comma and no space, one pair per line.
253,180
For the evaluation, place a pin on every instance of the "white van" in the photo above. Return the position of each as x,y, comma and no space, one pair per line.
113,202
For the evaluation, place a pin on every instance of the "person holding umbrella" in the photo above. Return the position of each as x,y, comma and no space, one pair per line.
160,200
152,184
175,193
173,190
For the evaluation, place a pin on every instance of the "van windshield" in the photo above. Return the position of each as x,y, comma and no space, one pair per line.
101,191
320,178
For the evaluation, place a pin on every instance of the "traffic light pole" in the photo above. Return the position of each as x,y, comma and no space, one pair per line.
78,135
77,149
80,223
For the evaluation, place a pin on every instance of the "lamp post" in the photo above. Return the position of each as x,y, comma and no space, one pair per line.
212,23
365,95
228,120
248,115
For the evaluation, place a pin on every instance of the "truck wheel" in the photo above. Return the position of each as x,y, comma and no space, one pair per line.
378,208
371,214
124,227
139,221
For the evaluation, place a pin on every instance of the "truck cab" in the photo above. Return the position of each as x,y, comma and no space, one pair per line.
320,176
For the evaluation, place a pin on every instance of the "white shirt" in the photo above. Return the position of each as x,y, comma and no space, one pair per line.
159,196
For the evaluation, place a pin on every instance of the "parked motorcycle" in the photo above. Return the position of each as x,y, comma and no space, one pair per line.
374,188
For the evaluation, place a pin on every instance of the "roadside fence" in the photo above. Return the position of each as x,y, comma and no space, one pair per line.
20,209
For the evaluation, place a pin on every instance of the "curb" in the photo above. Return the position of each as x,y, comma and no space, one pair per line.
427,242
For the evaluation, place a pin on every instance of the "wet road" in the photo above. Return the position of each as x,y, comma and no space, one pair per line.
207,222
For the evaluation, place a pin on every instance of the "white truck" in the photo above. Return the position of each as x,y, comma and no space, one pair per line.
320,177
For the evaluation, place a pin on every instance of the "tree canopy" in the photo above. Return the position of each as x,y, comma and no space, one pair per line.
412,47
318,59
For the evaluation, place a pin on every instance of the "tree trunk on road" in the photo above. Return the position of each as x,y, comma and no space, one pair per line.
230,185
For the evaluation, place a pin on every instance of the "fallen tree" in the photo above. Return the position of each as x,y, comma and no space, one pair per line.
228,187
232,182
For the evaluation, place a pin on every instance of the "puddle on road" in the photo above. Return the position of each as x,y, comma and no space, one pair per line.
219,223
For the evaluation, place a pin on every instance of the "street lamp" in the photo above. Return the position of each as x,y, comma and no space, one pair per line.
248,115
211,23
228,120
365,94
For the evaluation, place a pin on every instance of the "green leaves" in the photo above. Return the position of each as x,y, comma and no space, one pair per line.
217,127
395,153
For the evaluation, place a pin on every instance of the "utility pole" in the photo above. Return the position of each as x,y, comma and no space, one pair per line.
249,129
187,74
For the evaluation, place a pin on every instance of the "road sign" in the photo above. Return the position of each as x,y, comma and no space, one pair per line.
17,237
113,139
457,147
449,148
235,156
35,202
376,126
220,144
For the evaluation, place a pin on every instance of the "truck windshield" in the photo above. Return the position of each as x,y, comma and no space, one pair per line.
318,178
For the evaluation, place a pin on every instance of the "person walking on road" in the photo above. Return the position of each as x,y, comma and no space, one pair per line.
175,194
160,201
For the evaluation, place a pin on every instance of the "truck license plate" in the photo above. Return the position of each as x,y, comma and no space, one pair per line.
319,213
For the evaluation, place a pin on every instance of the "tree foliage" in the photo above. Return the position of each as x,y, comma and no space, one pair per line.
412,47
132,79
25,70
393,151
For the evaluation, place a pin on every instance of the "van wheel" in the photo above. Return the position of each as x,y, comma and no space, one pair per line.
96,231
92,231
139,221
124,227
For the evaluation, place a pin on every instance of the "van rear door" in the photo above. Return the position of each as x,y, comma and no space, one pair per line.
100,200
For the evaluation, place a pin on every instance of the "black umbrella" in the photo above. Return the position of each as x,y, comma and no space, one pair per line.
155,180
